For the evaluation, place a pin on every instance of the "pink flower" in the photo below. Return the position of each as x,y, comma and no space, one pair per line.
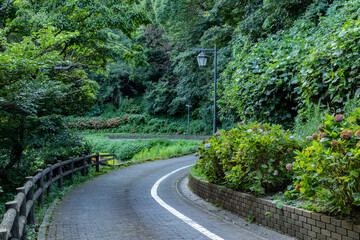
239,153
289,166
315,136
339,118
308,138
346,134
322,135
217,133
321,128
357,133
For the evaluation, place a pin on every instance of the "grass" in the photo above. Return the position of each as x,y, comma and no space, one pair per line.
175,148
308,120
140,150
194,171
124,150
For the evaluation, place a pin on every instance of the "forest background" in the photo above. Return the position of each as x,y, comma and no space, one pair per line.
130,67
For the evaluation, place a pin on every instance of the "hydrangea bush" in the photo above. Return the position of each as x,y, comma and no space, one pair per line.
250,157
328,170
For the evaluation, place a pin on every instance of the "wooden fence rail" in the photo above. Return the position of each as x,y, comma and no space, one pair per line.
21,211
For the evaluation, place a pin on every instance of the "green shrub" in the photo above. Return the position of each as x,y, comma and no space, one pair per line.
328,171
136,118
250,157
197,127
155,125
51,148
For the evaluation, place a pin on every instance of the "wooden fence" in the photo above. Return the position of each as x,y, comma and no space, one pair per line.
21,211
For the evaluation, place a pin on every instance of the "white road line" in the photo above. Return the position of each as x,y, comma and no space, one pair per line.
184,218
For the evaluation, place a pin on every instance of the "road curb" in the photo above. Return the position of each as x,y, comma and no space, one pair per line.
46,220
187,194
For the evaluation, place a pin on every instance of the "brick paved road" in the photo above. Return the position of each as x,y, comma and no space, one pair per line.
119,205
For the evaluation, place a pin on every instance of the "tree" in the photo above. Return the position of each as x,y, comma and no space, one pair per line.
46,50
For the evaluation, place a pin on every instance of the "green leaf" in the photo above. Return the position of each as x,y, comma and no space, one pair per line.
354,173
278,203
346,210
356,197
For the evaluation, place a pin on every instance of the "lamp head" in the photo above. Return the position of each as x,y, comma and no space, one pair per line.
202,59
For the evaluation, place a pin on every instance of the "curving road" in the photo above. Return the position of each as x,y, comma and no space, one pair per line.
142,202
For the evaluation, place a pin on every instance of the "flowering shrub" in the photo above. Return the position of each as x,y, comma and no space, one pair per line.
82,124
328,170
250,157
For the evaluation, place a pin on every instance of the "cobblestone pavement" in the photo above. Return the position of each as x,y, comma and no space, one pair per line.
118,205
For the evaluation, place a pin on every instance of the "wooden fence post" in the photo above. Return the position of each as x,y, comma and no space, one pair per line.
15,228
83,163
22,211
40,184
3,233
60,173
87,165
23,205
49,178
97,162
72,169
30,197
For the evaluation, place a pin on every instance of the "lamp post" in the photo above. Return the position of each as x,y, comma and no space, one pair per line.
202,60
188,106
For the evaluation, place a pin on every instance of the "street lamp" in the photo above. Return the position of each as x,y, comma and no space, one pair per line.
188,106
202,60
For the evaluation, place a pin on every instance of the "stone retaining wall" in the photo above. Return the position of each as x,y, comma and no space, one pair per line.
293,221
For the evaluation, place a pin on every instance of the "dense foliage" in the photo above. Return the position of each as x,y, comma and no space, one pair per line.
313,60
137,123
250,157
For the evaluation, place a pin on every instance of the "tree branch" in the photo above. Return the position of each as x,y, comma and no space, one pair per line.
7,5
